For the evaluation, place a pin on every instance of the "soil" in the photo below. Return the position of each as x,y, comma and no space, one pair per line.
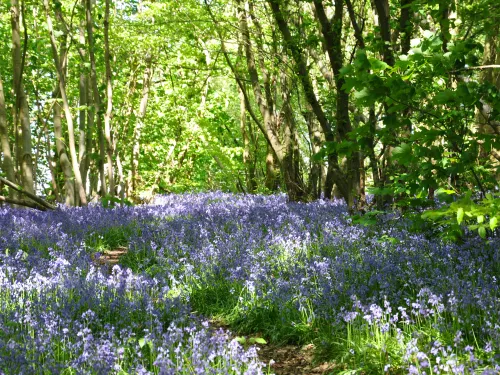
110,257
293,360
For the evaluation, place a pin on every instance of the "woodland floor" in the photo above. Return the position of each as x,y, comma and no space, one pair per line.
293,360
286,360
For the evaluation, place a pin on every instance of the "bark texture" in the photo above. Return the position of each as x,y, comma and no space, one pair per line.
22,119
8,164
140,121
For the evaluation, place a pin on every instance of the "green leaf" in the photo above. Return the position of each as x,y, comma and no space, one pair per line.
445,97
377,64
433,214
480,219
348,69
444,191
363,94
493,223
259,340
482,232
361,62
403,154
350,83
460,215
242,340
142,342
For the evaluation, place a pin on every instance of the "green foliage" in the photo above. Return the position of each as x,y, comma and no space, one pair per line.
368,219
109,201
482,216
110,238
434,115
246,341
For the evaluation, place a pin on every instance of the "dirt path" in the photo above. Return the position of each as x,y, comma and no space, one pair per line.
283,360
110,257
293,360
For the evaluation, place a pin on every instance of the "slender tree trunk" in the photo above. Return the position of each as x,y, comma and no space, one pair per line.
291,162
69,119
384,18
264,103
444,23
140,121
69,185
89,142
83,151
406,25
24,152
332,33
109,109
8,165
96,95
334,174
247,162
286,157
252,165
122,137
316,137
52,165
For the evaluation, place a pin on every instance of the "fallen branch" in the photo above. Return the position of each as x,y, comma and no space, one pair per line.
22,203
33,197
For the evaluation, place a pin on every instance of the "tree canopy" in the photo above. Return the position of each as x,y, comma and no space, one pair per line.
124,99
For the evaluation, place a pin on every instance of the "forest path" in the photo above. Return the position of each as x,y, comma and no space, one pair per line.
110,258
293,360
285,360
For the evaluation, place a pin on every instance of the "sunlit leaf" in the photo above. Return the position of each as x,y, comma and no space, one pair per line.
460,215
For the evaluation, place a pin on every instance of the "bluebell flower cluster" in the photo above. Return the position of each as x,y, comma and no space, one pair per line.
421,305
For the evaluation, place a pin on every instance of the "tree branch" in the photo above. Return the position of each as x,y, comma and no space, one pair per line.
18,188
22,203
480,67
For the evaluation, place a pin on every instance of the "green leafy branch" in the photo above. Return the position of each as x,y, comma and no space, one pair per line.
482,216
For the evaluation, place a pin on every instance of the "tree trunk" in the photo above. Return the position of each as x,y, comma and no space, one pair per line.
24,145
140,122
109,108
317,139
89,141
96,95
247,159
69,185
291,161
69,119
344,183
444,23
122,136
52,165
271,173
8,165
384,18
264,103
406,26
83,146
283,151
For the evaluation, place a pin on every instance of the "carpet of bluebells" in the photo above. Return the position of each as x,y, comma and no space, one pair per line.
384,299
